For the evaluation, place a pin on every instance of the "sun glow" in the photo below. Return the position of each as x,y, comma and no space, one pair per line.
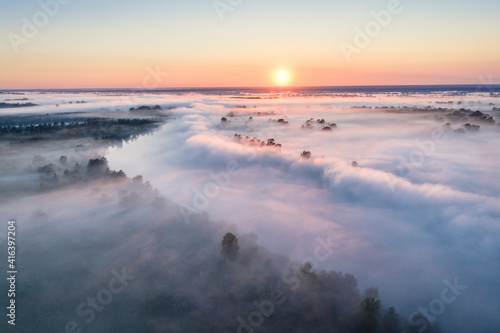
282,77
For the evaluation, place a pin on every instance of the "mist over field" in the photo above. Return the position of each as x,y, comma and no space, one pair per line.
404,188
421,207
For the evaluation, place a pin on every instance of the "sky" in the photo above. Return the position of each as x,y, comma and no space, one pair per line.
207,43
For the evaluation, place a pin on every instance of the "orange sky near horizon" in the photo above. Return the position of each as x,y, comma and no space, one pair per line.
53,73
249,46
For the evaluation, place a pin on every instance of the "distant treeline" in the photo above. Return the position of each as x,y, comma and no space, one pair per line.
15,105
97,128
146,108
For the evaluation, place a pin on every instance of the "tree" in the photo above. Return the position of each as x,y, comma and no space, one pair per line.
97,166
306,154
370,307
230,245
390,321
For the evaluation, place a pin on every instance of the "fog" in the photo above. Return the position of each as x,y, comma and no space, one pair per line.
419,207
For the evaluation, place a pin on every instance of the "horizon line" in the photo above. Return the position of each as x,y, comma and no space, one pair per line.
250,87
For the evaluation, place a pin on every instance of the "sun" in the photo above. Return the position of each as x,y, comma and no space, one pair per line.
282,77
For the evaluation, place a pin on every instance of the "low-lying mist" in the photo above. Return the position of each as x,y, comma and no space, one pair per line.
411,196
400,191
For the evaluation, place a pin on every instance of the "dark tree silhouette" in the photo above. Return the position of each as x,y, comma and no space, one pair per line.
390,321
97,166
306,154
370,307
230,245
